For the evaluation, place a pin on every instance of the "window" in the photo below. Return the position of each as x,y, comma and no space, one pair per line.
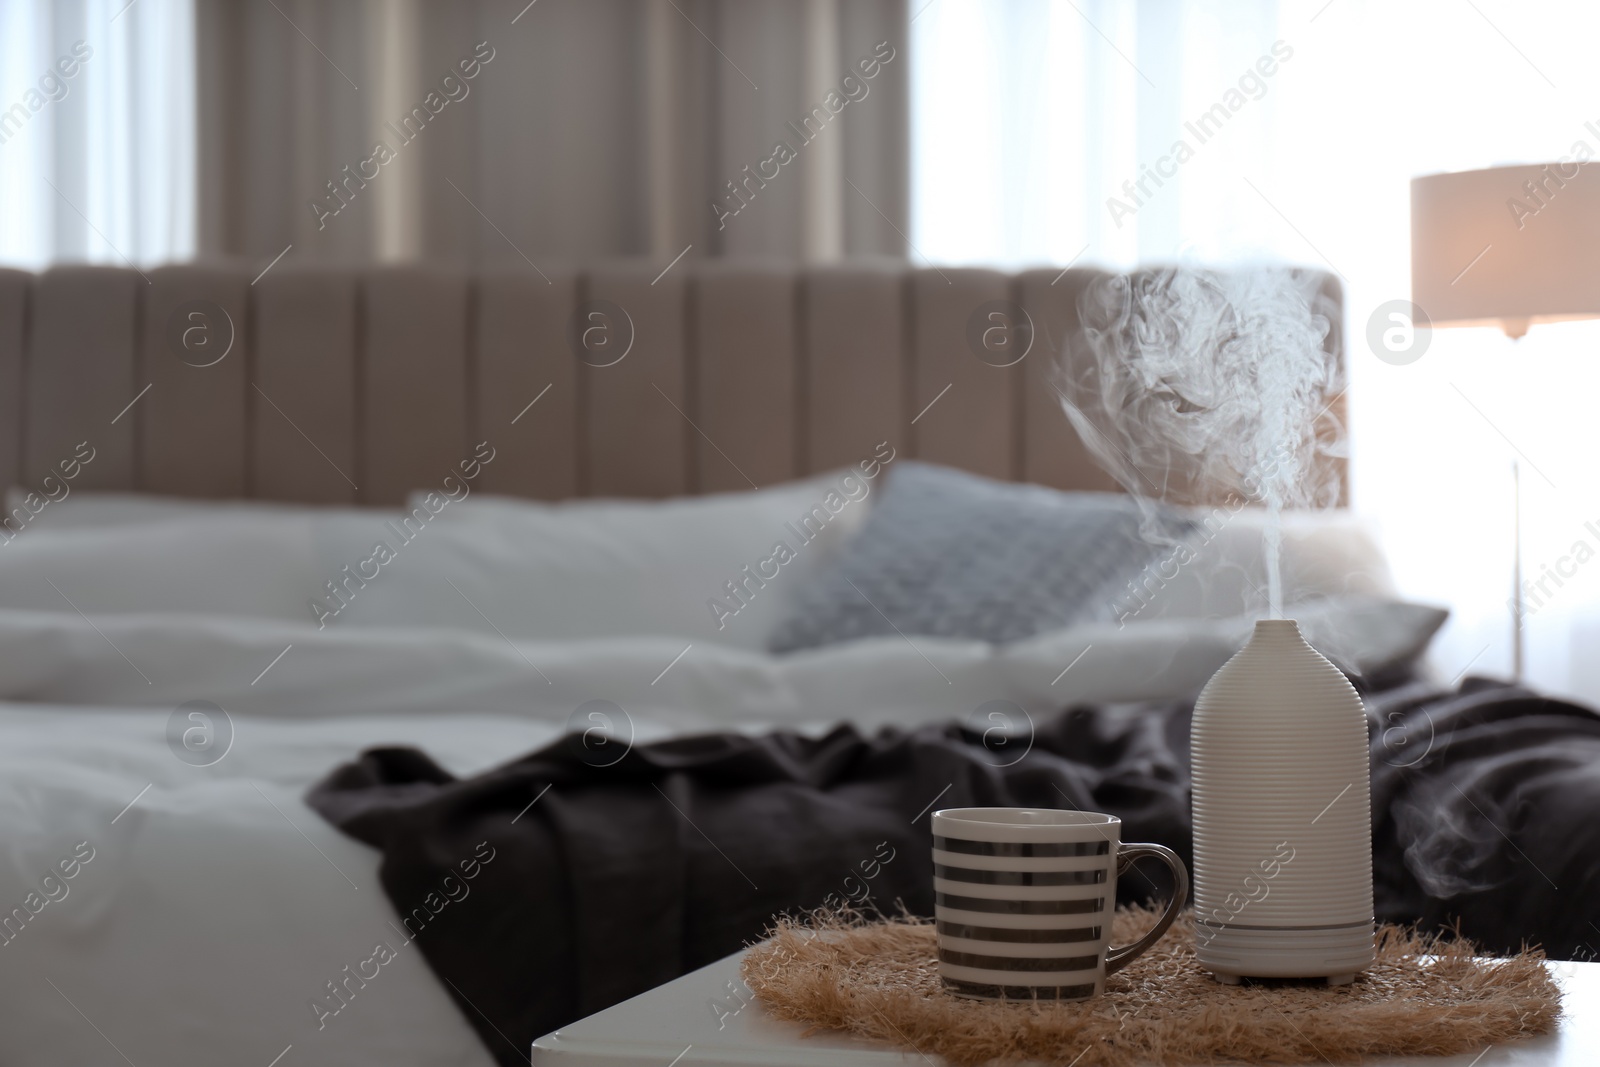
97,131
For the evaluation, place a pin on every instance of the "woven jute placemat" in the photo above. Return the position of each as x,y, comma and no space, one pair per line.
1422,997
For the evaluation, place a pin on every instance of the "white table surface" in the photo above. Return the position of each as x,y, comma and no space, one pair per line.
711,1017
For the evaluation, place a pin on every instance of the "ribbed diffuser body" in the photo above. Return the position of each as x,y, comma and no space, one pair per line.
1282,815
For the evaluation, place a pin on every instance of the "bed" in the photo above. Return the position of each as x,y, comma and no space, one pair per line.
197,626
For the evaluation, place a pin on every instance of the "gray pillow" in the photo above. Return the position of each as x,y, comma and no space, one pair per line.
951,554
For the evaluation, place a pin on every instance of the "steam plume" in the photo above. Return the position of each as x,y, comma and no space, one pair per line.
1189,385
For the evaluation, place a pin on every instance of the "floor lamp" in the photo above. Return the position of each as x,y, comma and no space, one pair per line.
1508,247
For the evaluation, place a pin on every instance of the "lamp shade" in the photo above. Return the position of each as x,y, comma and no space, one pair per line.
1507,246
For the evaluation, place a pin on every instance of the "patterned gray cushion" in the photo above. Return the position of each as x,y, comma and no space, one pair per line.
952,554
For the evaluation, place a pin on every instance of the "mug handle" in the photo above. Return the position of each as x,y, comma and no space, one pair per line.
1118,957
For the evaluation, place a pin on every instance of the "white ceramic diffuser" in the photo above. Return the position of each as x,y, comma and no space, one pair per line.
1282,815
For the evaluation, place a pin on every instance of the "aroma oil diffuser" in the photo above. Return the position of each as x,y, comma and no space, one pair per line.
1282,823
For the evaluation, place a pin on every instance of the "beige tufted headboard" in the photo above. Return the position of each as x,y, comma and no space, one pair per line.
358,385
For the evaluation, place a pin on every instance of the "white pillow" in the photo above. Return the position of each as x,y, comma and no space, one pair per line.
604,568
1323,554
114,553
95,508
1373,637
218,565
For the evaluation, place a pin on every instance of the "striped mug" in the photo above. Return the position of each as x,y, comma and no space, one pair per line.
1024,898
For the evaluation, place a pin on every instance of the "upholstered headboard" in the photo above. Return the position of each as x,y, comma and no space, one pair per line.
358,385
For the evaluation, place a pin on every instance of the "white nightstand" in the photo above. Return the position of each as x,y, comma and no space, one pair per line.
710,1017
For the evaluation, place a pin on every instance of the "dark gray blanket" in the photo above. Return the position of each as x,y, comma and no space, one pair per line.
619,878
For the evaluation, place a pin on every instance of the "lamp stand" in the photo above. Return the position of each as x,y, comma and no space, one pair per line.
1517,614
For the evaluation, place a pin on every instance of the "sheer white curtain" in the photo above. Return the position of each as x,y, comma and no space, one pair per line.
1029,115
97,131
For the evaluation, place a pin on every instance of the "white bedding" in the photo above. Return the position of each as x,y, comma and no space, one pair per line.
217,905
212,910
206,922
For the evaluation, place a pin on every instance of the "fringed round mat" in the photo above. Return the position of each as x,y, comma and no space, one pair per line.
1422,997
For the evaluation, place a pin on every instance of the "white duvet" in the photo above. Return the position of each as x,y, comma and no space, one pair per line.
154,911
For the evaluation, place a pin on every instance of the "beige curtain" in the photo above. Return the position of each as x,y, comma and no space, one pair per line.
490,131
